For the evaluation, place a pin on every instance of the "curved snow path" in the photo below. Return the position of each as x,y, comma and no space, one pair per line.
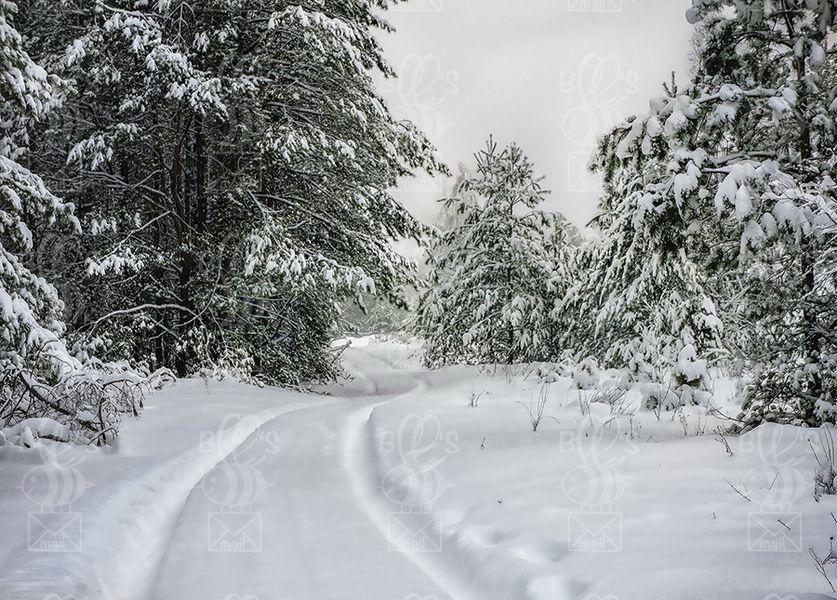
128,532
293,513
358,458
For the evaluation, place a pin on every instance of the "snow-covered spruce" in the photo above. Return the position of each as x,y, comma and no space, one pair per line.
497,269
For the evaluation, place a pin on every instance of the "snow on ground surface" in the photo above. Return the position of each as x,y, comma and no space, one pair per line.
393,487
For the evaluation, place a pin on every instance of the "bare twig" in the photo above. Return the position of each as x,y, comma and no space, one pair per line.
821,563
536,411
737,491
722,439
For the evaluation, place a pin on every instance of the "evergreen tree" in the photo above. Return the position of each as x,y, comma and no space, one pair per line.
231,162
494,270
39,375
30,311
738,166
766,107
640,298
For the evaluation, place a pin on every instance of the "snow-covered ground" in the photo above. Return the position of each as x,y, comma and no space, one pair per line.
393,487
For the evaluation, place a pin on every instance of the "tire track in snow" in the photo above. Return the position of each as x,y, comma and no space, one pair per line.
446,568
159,498
358,460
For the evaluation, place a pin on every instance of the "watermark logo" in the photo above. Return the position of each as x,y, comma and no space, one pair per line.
55,485
416,482
422,87
598,439
774,532
419,6
774,444
236,485
593,486
601,85
774,486
596,483
415,532
419,95
402,357
601,6
579,176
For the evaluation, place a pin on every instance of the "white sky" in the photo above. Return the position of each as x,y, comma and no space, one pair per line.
551,75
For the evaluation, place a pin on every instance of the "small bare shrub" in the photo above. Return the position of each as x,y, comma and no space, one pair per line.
583,404
86,405
537,408
614,397
825,474
722,439
474,398
586,375
821,563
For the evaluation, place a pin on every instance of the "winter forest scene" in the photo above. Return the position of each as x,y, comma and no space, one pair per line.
418,299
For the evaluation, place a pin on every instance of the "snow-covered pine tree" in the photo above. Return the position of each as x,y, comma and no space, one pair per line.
640,300
740,165
45,390
493,271
32,350
750,147
231,161
769,105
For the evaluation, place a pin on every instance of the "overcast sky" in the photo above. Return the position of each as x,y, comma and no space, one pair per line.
551,75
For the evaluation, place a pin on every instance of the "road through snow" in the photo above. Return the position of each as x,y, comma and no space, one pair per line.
298,500
224,491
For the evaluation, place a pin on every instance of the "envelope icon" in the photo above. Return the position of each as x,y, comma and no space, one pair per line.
595,532
415,532
235,532
579,177
55,532
595,5
774,532
419,6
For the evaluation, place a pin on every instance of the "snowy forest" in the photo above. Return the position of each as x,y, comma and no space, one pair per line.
170,211
218,183
200,205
